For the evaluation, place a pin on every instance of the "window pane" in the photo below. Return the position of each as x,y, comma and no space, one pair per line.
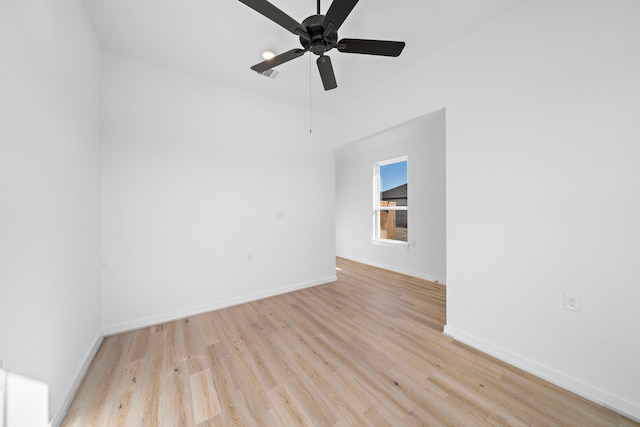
393,225
393,186
393,183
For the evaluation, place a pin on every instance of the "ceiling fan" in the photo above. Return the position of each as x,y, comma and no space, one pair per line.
319,34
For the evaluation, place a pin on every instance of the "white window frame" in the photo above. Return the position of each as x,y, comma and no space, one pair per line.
376,239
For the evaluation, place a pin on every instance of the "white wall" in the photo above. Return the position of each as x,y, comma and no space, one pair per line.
423,141
49,183
543,187
195,176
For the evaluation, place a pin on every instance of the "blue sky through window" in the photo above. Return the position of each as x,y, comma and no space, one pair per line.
393,175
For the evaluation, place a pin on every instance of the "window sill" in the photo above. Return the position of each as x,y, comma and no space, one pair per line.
390,243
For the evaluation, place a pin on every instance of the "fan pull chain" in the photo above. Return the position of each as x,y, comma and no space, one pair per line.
310,71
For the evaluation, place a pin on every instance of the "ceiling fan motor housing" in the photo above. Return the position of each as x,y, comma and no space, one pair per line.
318,44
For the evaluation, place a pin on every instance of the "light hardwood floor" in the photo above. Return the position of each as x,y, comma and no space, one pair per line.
366,350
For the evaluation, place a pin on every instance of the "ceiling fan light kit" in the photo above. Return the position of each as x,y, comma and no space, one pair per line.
270,73
318,34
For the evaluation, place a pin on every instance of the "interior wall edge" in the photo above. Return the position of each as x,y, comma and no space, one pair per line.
218,305
573,385
61,412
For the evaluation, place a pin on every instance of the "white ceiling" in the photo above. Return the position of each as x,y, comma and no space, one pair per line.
221,39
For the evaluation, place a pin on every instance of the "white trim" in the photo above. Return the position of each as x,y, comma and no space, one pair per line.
392,161
3,397
394,208
391,243
395,269
77,380
179,314
594,394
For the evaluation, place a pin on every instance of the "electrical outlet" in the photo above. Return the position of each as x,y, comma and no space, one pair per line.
249,257
572,302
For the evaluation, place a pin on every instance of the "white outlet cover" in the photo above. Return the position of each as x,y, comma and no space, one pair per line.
572,302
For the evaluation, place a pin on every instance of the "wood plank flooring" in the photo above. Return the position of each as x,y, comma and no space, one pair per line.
366,350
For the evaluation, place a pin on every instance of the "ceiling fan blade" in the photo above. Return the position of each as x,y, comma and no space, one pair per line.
276,15
371,47
277,60
326,72
337,13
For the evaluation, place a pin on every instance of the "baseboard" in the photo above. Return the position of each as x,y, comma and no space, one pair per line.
395,269
594,394
77,380
179,314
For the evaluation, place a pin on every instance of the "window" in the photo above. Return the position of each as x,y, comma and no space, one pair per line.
390,202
